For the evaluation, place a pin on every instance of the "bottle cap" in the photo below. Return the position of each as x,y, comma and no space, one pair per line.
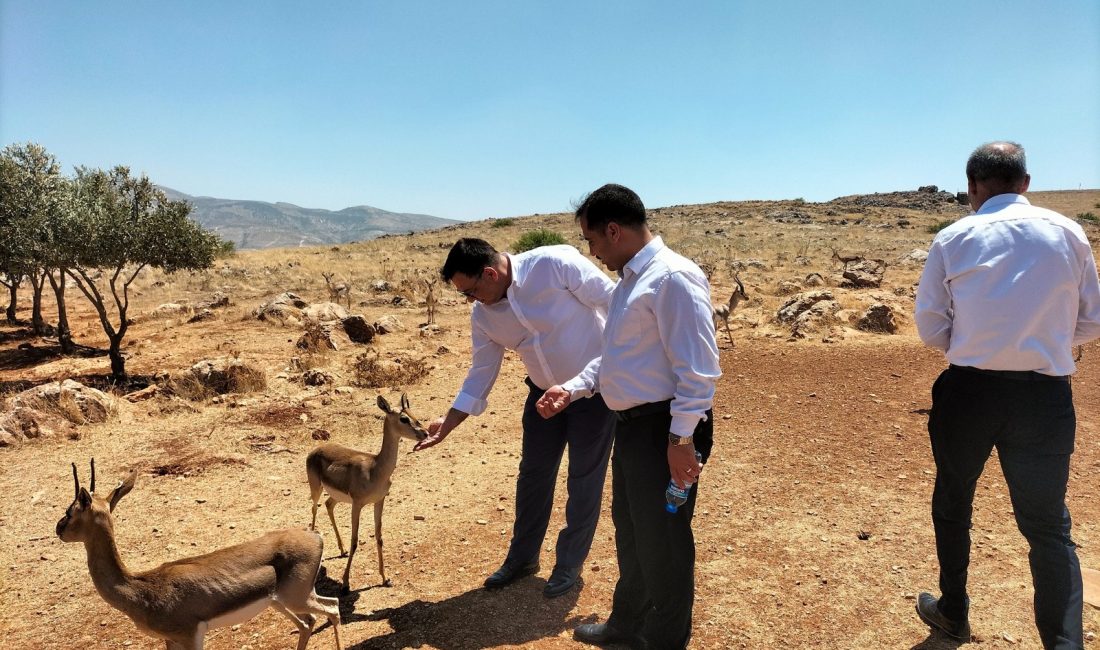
671,507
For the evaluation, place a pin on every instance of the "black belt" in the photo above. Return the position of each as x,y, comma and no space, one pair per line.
652,408
1016,375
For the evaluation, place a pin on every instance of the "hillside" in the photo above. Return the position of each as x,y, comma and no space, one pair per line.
812,525
256,224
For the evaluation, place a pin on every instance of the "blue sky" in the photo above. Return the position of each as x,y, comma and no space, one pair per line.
477,109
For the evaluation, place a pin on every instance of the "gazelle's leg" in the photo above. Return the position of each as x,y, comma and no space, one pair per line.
304,629
378,539
329,505
314,497
728,332
356,508
330,609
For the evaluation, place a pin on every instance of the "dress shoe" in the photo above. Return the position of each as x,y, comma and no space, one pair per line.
561,580
928,608
509,572
604,634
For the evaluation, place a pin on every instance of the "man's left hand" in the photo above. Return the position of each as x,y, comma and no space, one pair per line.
682,464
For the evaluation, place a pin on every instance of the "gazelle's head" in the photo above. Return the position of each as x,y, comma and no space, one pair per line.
89,512
402,421
740,290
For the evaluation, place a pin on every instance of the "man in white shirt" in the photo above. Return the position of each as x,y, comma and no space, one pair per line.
548,304
1006,293
657,372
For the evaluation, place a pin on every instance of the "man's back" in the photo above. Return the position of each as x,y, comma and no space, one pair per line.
1011,291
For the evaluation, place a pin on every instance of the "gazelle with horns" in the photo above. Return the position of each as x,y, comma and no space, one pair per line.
180,601
359,478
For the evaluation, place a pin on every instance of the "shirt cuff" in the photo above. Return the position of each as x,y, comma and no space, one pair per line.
577,390
469,404
684,425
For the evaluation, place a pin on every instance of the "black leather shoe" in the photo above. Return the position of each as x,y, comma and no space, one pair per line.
603,634
509,572
928,608
561,580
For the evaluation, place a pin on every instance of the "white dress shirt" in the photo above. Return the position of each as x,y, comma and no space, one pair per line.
1011,287
552,315
659,341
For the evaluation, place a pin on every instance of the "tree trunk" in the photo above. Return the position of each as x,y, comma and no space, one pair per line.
64,335
13,289
118,363
38,325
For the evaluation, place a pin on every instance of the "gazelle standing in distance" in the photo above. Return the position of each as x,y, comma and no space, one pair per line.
723,312
338,290
179,601
359,478
431,300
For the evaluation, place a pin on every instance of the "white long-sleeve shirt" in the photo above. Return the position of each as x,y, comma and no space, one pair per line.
553,316
1011,287
659,341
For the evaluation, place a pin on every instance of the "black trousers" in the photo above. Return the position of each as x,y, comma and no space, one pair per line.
655,550
1032,424
585,426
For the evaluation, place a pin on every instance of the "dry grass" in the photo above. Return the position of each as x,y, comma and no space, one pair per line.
372,371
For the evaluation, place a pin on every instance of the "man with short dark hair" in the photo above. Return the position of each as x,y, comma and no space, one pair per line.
548,304
657,372
1006,293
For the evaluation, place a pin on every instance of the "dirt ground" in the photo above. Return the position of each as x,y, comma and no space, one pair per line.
812,524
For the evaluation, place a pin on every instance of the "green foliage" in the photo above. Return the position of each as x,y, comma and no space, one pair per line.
938,226
1088,216
226,248
502,223
536,238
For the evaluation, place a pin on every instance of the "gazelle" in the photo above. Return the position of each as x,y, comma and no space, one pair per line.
179,601
338,291
723,312
845,260
431,300
359,478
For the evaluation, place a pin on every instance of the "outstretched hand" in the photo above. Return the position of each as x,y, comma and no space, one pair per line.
436,434
553,401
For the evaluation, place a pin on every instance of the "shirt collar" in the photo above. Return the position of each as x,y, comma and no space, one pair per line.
643,257
995,203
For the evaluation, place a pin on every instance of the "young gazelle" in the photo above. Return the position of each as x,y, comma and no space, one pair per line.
338,291
359,478
179,601
723,312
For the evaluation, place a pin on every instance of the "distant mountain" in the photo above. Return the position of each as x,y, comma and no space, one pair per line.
256,224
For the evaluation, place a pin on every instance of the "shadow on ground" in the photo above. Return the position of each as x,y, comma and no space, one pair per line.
513,616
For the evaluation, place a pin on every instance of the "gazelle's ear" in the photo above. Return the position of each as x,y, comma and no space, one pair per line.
84,498
384,405
124,487
404,402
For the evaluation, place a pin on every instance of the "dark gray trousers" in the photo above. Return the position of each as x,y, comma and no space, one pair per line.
1032,424
655,550
585,426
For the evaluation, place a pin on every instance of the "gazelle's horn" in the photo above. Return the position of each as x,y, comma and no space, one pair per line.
76,483
93,477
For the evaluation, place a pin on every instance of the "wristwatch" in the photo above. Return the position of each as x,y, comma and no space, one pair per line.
677,441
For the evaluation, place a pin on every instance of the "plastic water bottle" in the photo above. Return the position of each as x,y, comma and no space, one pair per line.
676,496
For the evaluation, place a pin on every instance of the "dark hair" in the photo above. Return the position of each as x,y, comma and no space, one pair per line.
612,203
469,256
1003,163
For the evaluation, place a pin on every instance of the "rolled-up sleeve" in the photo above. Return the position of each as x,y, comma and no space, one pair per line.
933,306
487,357
682,308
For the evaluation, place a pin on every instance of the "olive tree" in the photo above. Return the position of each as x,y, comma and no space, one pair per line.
31,204
126,224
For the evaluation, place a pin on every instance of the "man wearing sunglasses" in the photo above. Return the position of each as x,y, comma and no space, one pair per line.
548,304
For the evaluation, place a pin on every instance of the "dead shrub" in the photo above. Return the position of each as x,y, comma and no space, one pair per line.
184,458
402,370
